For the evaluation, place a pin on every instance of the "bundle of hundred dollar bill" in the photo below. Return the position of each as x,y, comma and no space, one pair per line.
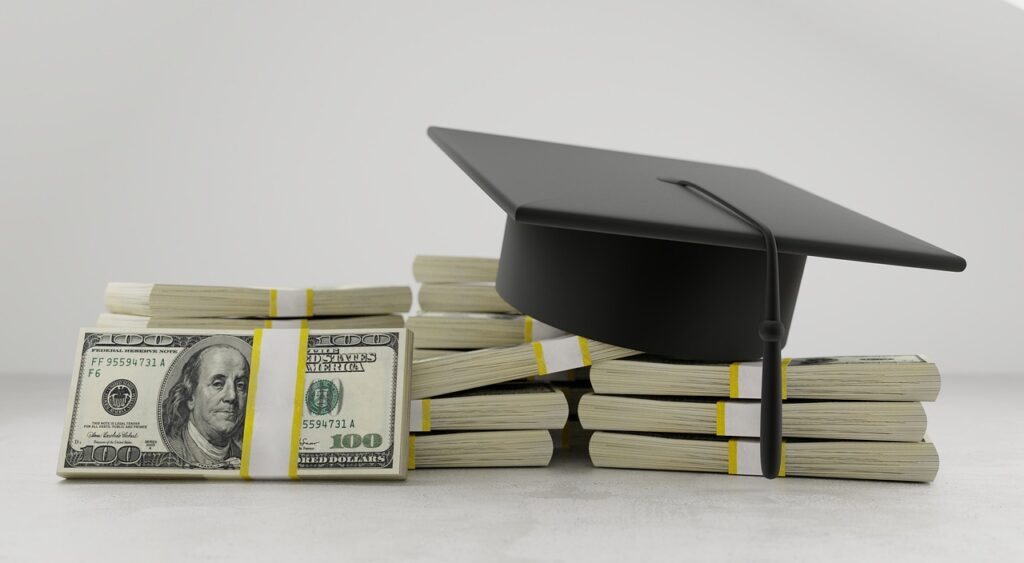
279,403
252,383
147,305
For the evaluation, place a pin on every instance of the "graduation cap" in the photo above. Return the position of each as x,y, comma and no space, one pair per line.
682,259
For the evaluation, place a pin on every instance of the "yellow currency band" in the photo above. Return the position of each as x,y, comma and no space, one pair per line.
425,406
528,329
732,458
538,353
585,350
734,379
273,303
542,367
300,388
250,403
412,452
269,323
720,418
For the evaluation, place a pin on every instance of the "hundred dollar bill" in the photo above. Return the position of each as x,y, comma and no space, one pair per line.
263,403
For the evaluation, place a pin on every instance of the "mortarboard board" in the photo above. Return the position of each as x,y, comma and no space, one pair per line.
667,256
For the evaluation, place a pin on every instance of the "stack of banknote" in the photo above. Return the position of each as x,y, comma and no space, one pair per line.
234,382
222,382
146,305
480,371
844,417
853,417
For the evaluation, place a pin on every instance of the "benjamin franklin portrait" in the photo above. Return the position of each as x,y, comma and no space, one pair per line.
203,413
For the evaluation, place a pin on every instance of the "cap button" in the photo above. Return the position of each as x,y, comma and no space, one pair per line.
772,331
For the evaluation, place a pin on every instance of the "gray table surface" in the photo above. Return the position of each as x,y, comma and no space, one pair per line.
569,511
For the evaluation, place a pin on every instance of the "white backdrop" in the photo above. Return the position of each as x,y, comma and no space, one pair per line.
196,143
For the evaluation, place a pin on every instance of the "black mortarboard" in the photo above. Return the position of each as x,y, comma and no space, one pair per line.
666,256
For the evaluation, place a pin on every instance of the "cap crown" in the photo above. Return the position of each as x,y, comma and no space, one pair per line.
581,188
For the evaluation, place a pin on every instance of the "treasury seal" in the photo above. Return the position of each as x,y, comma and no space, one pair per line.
119,397
323,397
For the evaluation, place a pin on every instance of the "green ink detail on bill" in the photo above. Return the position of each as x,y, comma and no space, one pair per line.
323,397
